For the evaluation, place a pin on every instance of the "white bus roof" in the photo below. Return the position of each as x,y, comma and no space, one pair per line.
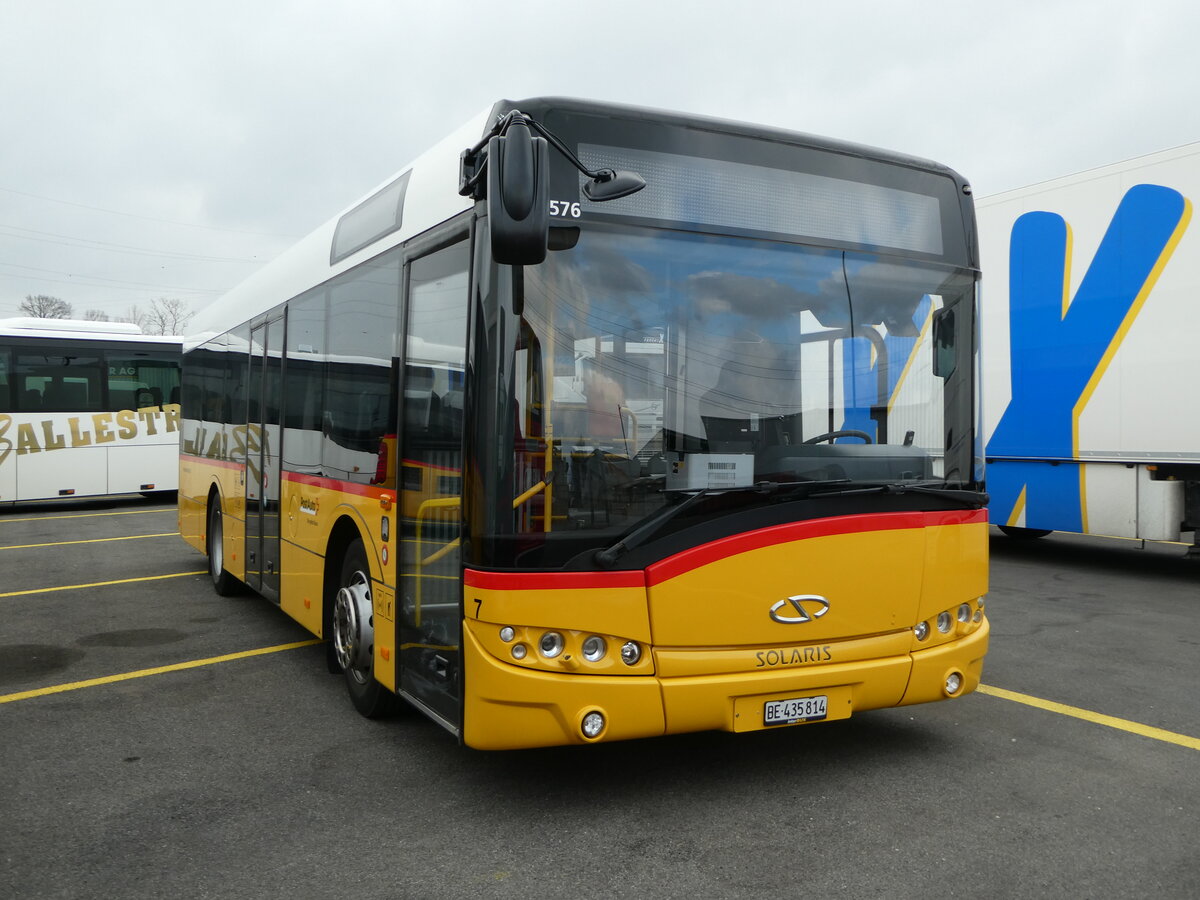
431,197
80,329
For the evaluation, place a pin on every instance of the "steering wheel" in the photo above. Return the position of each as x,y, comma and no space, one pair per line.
844,432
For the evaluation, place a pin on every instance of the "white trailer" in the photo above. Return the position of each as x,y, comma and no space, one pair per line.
1091,336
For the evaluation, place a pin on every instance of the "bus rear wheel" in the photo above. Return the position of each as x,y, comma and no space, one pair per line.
223,583
353,635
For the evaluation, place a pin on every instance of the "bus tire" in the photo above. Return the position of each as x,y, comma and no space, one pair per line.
353,635
1025,534
223,583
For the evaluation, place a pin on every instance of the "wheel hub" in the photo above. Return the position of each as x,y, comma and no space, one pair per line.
353,633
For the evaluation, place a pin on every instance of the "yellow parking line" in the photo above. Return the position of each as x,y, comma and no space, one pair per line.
132,537
134,512
75,587
158,670
1158,734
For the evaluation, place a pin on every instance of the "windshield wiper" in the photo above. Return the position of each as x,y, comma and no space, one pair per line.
970,499
609,555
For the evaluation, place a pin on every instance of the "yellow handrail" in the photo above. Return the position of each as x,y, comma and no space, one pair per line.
454,503
543,485
441,503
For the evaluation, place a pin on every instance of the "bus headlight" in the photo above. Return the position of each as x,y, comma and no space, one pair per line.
944,622
964,612
921,631
631,653
551,644
594,648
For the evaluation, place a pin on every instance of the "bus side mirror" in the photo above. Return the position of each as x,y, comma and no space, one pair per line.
945,351
518,190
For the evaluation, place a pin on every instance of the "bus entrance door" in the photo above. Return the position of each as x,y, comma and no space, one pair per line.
263,434
430,626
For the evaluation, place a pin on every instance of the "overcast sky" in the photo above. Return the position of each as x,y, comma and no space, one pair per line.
162,149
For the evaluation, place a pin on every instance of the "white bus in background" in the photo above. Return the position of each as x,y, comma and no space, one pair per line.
86,409
1091,324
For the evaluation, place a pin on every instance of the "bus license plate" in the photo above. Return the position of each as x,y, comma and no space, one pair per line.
799,709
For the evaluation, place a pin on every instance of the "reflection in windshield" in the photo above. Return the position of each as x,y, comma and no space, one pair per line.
652,363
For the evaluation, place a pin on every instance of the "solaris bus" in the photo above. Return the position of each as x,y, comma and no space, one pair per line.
599,422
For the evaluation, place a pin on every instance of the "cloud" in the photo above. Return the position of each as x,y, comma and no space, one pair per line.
225,129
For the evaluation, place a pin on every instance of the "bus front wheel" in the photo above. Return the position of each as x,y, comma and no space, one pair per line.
223,583
354,635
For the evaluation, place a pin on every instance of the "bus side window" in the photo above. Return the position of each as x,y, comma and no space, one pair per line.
68,394
7,388
944,349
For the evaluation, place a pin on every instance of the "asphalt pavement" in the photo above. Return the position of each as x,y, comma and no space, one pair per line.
158,740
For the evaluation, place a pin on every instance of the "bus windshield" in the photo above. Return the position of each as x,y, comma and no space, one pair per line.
654,364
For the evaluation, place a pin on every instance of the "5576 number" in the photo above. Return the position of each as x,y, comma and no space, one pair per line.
565,209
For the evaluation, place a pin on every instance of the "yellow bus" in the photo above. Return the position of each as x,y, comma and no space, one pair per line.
599,422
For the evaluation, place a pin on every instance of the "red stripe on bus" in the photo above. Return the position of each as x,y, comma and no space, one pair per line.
550,581
336,484
696,557
706,554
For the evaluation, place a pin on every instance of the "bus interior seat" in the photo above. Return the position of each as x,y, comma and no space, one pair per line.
724,411
729,435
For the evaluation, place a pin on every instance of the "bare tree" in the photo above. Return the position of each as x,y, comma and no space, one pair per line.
40,306
134,315
166,316
96,315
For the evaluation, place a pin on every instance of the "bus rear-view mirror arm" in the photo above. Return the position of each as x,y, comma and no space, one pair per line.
515,163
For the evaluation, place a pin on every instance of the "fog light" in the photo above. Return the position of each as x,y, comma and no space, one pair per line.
964,612
551,644
507,634
921,631
631,653
944,621
519,651
594,648
953,683
593,724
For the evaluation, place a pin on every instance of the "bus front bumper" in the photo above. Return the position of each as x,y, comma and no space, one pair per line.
513,707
